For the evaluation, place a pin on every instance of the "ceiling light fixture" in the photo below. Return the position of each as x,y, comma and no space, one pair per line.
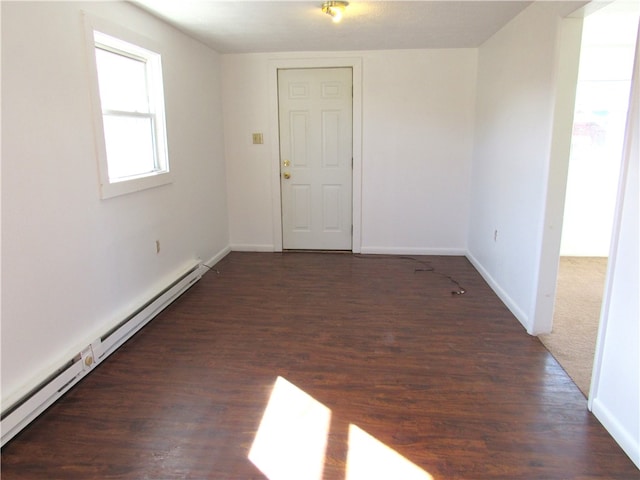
334,9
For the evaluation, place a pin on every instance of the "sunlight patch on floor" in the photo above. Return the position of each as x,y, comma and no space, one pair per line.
292,437
292,440
370,459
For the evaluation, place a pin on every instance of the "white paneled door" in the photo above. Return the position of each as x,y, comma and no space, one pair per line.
315,113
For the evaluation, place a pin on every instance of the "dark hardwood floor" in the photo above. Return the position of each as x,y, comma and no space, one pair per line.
451,383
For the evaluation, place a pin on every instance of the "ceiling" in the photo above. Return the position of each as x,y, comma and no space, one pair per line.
299,25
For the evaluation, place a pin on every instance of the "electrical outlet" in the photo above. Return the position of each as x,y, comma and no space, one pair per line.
257,139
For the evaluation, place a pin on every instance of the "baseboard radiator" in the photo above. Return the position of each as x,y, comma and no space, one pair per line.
21,412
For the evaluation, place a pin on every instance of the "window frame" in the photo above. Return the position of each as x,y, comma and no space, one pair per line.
102,34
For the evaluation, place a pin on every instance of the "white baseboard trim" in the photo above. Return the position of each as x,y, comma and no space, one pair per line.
620,434
412,251
243,247
61,377
499,291
218,256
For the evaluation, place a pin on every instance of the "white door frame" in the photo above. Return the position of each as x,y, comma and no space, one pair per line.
274,139
541,314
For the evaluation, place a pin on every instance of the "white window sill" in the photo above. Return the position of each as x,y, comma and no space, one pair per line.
114,189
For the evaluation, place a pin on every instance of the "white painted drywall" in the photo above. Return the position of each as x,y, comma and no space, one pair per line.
246,111
615,387
418,111
417,137
513,135
73,264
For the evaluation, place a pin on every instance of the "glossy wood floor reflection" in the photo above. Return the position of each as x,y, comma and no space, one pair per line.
451,383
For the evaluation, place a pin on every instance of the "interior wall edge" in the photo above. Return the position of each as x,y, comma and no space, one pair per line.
615,382
566,71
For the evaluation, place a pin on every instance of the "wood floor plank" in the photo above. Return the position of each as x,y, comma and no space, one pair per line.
451,383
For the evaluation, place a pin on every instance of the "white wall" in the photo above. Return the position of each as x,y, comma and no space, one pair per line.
513,139
246,110
615,387
73,265
417,137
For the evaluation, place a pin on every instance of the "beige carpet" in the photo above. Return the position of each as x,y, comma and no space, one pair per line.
577,314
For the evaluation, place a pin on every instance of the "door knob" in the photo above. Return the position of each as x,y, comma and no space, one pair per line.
286,175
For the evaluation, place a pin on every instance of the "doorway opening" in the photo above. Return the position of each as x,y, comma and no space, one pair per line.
602,98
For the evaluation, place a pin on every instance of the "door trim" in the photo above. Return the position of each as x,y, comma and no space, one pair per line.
355,64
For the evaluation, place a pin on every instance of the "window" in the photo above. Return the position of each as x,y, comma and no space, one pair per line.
130,122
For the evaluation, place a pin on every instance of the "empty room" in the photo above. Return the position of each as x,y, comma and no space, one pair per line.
302,240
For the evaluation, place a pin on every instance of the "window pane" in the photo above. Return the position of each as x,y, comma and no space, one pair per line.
122,81
130,145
